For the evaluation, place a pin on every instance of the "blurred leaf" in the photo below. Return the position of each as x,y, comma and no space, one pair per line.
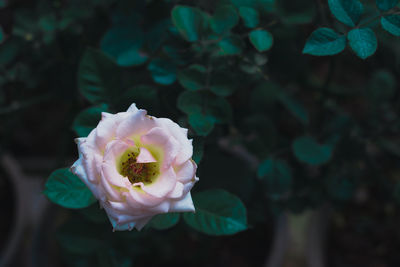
189,21
9,51
295,107
164,221
3,3
202,124
339,188
1,35
382,86
324,42
206,103
307,150
94,214
264,95
162,71
386,5
98,77
346,11
232,45
391,24
124,44
48,23
262,40
110,258
363,42
192,78
198,149
66,189
217,213
276,175
222,84
224,19
249,16
87,120
80,238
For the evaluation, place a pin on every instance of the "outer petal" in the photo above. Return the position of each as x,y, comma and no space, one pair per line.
183,205
132,108
180,134
159,137
177,192
79,170
135,123
186,172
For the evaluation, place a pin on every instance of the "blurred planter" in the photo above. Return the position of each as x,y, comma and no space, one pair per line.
300,239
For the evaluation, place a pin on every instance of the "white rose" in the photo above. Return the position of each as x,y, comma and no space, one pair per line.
137,166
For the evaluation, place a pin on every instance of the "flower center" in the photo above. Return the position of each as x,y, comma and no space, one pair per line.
135,171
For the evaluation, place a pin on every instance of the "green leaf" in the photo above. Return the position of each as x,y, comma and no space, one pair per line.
162,71
222,84
87,120
164,221
296,108
48,23
363,42
192,78
382,86
249,16
386,5
262,40
276,175
232,45
224,19
346,11
66,189
1,35
98,77
325,42
217,213
202,124
391,24
9,51
189,21
307,150
3,3
124,44
206,103
198,149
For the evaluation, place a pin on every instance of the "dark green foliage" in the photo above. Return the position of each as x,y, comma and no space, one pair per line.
346,11
249,16
261,39
325,42
386,5
363,42
87,120
190,22
164,221
277,177
224,19
217,213
67,190
391,23
307,150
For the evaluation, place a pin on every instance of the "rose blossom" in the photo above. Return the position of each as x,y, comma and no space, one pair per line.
137,166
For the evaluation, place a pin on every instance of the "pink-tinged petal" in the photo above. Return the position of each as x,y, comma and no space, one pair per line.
160,137
89,161
145,156
139,199
186,171
163,185
183,205
106,115
78,169
141,223
112,176
188,186
177,192
132,108
111,192
114,149
105,130
180,134
121,227
135,123
163,207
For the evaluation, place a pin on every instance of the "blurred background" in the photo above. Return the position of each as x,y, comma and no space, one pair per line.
309,143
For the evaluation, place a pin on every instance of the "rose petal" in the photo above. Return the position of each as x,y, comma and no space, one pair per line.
159,137
135,123
162,186
186,172
183,205
180,134
145,156
177,192
132,108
